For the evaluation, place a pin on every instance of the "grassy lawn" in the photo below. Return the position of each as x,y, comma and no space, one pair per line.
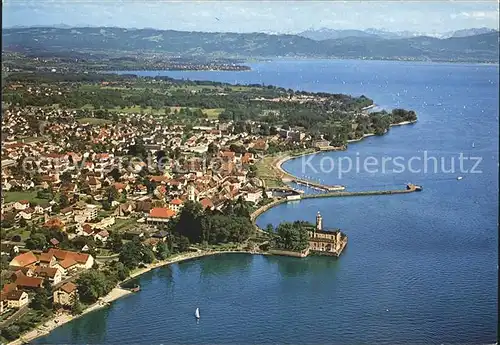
123,224
137,110
94,121
103,252
213,113
25,234
26,195
267,172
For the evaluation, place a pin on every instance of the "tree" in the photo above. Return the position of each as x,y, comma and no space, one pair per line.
16,238
76,305
36,241
189,222
106,205
183,244
112,193
270,228
92,284
56,209
119,269
115,242
292,236
12,332
63,200
22,223
162,251
65,177
115,174
41,299
148,256
131,254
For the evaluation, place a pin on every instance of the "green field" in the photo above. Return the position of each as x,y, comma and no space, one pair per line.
213,113
267,172
123,224
16,196
94,121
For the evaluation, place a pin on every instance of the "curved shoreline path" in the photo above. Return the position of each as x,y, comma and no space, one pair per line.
329,190
288,177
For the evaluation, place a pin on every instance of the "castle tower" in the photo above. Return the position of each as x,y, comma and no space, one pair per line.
319,222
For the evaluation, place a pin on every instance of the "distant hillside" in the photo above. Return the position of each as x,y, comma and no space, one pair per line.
327,34
472,32
478,48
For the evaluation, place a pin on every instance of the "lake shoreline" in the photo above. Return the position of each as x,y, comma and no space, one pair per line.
117,293
279,163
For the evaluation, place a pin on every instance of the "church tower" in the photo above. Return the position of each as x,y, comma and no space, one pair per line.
319,222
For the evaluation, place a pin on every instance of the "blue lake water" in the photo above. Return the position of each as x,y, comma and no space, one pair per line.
419,268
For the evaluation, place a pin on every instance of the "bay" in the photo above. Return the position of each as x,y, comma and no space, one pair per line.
419,268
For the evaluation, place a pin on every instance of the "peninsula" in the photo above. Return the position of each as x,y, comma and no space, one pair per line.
300,239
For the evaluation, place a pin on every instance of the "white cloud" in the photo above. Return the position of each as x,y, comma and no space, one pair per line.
480,14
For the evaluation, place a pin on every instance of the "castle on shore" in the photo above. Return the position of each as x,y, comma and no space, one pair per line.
326,242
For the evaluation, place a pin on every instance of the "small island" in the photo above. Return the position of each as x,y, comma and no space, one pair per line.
301,238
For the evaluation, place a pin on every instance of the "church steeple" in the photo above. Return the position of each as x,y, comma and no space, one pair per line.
319,222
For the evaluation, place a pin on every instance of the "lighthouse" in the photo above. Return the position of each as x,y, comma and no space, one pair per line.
319,222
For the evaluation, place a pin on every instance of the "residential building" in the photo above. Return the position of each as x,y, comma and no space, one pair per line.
52,274
17,299
24,260
160,215
29,283
175,205
65,294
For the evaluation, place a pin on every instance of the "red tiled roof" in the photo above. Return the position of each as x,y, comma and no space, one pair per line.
176,201
206,203
67,263
24,259
119,186
14,295
103,233
24,281
69,287
45,257
161,212
46,271
67,210
24,202
54,241
228,154
9,287
54,223
159,178
60,254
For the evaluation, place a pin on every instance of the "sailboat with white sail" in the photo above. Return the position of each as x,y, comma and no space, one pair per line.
197,313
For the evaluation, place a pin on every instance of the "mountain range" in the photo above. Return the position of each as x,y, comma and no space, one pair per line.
368,45
325,33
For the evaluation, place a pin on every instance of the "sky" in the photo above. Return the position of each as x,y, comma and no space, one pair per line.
278,16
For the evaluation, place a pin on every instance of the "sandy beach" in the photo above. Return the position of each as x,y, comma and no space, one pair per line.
118,292
62,318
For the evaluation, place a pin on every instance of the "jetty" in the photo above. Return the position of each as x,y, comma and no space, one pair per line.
410,188
312,184
297,196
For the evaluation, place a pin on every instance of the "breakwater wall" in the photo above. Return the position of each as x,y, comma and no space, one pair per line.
266,207
409,189
340,194
302,254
